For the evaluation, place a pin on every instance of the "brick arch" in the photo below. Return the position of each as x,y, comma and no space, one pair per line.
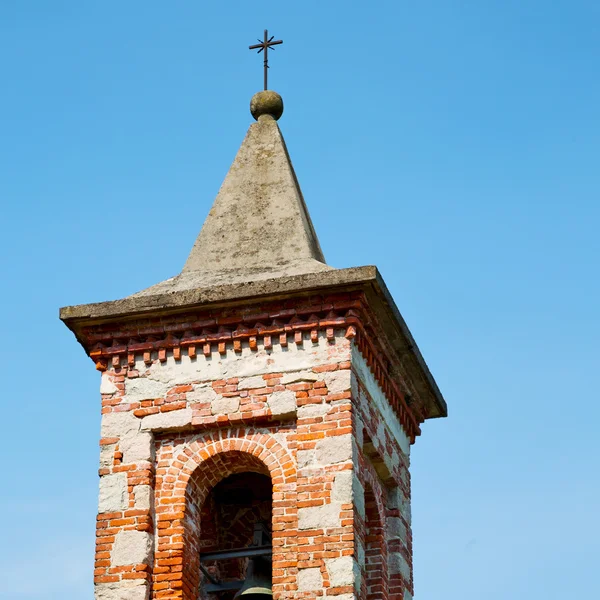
194,471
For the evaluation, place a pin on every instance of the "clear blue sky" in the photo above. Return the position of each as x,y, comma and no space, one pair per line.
454,144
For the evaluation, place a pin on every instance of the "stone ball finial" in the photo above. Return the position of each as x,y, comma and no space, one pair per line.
266,103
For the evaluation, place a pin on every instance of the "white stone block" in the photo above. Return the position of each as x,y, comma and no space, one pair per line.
334,449
202,393
137,448
358,495
319,517
143,497
359,429
224,406
310,579
305,458
107,455
341,490
144,388
113,493
174,419
131,548
120,424
298,377
135,589
172,372
252,383
282,403
398,564
360,553
311,411
106,385
337,381
396,529
341,571
406,510
397,500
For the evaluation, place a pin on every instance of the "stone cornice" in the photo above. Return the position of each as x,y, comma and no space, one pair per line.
200,333
147,317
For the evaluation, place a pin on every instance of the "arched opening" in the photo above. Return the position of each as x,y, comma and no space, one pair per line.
226,497
229,518
375,549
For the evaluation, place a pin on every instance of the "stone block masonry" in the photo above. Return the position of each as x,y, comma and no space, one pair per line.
305,408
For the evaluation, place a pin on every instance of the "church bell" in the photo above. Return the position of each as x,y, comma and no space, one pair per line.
258,582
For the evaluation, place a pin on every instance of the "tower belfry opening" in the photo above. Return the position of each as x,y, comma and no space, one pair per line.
258,409
235,534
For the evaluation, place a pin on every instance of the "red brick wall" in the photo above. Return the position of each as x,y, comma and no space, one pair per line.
305,454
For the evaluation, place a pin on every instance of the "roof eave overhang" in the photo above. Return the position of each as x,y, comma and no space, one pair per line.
399,340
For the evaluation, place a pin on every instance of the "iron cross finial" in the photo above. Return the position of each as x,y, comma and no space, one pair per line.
265,45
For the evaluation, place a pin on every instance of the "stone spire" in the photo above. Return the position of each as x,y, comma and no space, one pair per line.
258,227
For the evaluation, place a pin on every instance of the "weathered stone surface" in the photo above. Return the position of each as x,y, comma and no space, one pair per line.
120,424
245,364
299,376
268,226
337,381
334,449
360,552
131,548
201,393
266,103
310,411
396,529
135,589
398,564
174,419
310,579
144,388
341,490
398,501
358,495
341,571
305,458
225,406
282,404
136,448
106,385
113,493
143,497
107,455
250,383
319,517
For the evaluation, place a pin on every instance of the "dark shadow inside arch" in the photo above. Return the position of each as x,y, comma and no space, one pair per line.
228,517
227,496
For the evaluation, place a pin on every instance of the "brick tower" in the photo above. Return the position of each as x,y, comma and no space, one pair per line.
258,386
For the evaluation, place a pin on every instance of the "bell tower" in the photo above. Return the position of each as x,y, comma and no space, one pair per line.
258,410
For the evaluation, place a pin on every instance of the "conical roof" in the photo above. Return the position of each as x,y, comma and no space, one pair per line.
258,244
258,227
